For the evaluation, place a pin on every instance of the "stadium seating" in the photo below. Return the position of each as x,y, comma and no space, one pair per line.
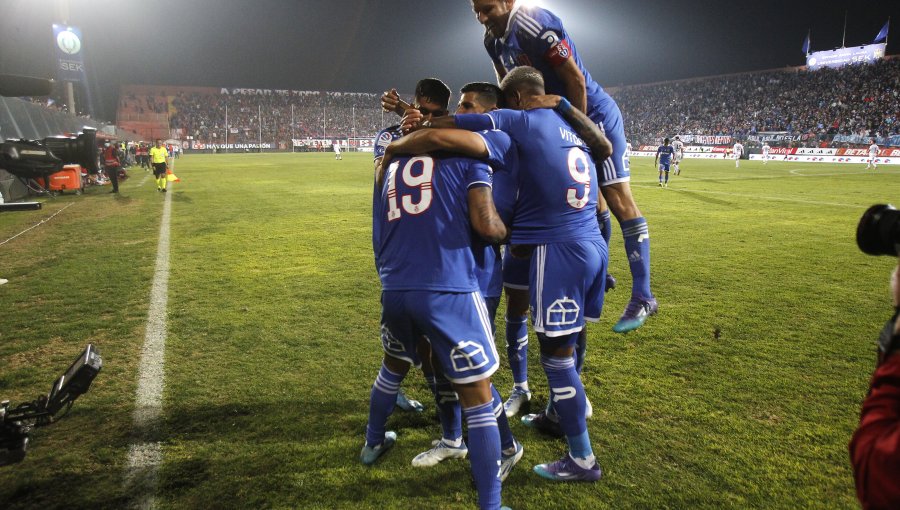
854,100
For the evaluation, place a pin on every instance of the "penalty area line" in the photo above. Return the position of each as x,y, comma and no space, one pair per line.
145,451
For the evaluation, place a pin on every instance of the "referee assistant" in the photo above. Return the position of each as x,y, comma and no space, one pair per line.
158,159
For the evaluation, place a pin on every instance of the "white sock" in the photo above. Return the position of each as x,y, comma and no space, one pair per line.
455,443
586,463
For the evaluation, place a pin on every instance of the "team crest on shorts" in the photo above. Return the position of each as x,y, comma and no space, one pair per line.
468,355
563,312
389,342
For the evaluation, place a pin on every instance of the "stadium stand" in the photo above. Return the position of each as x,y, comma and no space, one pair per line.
253,114
852,103
820,108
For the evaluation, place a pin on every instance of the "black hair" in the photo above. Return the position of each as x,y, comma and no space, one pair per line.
489,95
435,90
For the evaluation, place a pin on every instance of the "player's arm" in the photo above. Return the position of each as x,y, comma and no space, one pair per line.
656,158
460,141
499,70
483,216
574,83
601,147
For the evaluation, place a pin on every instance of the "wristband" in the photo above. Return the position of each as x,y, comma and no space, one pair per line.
564,106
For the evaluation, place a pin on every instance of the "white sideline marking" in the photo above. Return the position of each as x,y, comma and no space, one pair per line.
145,454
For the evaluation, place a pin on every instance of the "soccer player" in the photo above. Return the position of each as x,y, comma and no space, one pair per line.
424,211
432,98
873,155
678,145
337,150
765,152
664,156
476,98
736,153
158,155
519,35
555,219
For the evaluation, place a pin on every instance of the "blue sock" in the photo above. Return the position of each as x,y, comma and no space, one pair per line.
381,404
517,347
448,407
484,453
667,177
507,440
567,395
637,248
580,349
605,225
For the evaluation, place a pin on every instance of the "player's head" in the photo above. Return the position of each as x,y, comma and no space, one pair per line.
520,84
158,142
493,14
479,97
677,137
665,141
432,97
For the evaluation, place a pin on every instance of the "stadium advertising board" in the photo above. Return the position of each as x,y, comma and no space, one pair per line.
845,56
199,146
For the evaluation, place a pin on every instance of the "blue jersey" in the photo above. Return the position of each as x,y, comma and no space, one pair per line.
557,180
535,37
421,234
665,153
384,138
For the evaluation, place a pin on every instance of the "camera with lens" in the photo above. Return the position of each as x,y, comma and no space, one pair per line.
16,424
878,232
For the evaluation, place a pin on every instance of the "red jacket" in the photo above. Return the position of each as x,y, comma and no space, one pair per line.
875,447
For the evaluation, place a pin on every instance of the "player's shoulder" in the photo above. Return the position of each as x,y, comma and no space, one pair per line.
388,134
537,23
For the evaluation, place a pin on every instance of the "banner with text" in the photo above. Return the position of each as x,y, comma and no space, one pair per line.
845,56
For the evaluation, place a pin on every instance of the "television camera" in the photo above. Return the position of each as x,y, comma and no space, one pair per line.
16,424
33,159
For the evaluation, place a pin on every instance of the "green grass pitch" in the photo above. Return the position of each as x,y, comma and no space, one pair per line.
742,393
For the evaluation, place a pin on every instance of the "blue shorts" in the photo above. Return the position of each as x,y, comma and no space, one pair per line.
569,281
616,168
515,270
455,324
664,167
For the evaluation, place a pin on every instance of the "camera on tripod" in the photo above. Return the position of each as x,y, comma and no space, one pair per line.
17,423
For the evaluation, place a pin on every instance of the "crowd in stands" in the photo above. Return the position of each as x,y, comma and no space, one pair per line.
860,100
854,100
268,117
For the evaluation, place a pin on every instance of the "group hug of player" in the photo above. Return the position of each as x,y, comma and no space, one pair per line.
538,177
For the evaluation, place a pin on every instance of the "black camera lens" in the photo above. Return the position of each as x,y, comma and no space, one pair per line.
878,232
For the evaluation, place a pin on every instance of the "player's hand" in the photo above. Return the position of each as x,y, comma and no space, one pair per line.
390,100
545,101
412,120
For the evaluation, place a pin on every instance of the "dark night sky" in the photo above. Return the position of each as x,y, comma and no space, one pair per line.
371,45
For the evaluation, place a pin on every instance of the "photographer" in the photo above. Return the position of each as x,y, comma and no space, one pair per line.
875,447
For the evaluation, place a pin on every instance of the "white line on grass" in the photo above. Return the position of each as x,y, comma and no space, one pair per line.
145,453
